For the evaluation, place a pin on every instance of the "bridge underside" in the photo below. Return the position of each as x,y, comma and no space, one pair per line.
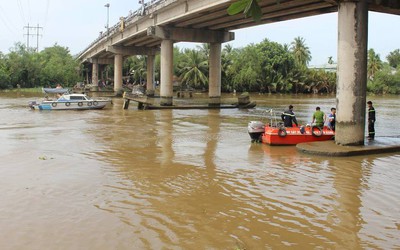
211,15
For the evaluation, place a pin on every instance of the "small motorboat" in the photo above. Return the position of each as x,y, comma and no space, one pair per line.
68,101
294,135
274,133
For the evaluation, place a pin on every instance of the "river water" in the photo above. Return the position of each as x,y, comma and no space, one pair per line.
187,179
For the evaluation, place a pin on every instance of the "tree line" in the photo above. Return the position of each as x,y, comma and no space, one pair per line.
24,67
266,67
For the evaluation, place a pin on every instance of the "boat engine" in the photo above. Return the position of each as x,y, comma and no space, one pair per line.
255,129
32,104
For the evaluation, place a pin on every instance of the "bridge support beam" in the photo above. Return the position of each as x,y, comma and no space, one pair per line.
118,59
95,73
166,68
150,75
352,72
214,89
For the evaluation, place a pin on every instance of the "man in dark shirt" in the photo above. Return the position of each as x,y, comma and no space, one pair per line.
332,119
371,120
289,118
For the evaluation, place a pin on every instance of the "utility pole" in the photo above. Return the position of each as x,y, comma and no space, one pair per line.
108,17
37,34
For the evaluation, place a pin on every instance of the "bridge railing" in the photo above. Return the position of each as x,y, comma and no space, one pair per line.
146,9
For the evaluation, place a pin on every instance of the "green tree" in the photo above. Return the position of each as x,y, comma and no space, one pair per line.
23,66
249,8
301,52
137,68
385,81
193,69
245,71
204,49
227,57
374,63
4,76
58,66
276,63
394,58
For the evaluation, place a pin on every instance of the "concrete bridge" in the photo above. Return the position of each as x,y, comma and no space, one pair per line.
159,24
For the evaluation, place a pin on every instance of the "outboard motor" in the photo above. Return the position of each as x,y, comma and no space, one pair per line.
255,129
32,104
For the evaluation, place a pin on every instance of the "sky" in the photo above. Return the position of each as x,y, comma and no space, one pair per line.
76,23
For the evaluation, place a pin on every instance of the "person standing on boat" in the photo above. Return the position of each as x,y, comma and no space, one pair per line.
289,118
371,120
319,117
332,119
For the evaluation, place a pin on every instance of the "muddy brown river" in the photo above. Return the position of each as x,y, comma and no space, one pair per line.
188,179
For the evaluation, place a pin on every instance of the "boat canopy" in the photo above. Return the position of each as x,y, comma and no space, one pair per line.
55,90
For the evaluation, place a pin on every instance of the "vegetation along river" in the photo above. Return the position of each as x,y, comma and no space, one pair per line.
188,179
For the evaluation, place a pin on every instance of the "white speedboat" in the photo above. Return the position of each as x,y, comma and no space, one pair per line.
70,102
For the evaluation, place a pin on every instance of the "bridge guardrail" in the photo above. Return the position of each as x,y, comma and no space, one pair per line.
146,9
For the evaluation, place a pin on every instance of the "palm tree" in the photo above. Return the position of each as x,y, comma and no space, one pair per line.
204,48
138,68
301,52
193,69
228,49
226,68
374,63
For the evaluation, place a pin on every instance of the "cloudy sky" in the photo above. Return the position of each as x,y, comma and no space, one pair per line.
76,23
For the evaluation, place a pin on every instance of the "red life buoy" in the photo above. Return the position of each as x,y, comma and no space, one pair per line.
316,131
282,132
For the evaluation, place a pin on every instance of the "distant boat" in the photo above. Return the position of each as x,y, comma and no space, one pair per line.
69,102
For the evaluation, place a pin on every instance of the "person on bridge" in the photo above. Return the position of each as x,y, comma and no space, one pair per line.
319,117
289,118
371,120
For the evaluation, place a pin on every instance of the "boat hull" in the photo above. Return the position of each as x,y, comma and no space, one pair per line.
70,105
296,135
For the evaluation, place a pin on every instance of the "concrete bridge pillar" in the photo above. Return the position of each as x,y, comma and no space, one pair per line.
166,68
150,75
214,89
118,59
352,72
95,73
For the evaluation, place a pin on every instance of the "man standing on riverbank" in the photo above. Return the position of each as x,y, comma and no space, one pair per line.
289,118
371,121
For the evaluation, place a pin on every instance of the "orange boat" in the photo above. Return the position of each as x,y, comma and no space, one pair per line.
295,135
274,133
